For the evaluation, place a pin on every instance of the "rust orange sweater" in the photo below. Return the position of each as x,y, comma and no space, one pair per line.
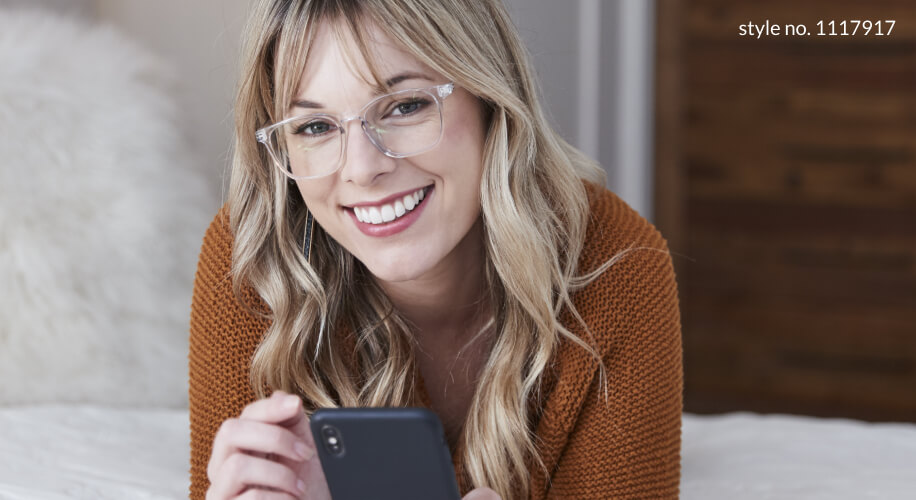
627,447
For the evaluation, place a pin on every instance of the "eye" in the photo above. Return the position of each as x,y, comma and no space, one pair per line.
408,107
314,128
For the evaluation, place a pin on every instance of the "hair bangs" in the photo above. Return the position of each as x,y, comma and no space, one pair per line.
346,21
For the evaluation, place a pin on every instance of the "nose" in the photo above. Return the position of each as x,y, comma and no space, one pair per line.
363,163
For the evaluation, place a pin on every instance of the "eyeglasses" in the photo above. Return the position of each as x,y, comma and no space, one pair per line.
400,124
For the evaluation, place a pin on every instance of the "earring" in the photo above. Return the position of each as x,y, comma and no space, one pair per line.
309,230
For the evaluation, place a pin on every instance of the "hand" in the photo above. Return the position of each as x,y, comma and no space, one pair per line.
481,494
267,453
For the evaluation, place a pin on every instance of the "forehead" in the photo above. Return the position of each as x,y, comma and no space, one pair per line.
336,64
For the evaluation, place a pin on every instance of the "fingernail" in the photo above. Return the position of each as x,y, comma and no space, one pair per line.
301,486
302,450
291,402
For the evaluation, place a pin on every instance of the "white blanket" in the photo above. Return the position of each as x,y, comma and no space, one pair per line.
750,456
78,452
82,452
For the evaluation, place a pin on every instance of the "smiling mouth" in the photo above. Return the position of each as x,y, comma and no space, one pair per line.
391,211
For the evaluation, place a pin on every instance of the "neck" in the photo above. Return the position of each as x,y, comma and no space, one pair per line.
449,299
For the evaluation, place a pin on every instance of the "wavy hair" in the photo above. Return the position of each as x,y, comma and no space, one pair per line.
534,211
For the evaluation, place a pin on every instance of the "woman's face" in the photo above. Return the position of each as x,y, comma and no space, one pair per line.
427,238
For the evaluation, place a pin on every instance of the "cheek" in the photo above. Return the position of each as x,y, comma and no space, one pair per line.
471,127
467,136
314,193
307,192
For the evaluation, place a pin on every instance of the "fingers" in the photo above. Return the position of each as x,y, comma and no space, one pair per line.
235,435
255,477
259,431
283,409
257,455
279,408
481,494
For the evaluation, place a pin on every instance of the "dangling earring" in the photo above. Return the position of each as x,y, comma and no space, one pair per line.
309,224
309,230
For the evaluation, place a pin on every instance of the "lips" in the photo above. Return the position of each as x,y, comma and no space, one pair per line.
387,212
390,215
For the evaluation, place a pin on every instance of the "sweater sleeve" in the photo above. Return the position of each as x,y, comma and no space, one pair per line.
627,445
223,337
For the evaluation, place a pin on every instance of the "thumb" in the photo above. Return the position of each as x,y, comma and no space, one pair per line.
482,494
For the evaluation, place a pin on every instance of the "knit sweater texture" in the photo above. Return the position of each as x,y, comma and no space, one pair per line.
620,443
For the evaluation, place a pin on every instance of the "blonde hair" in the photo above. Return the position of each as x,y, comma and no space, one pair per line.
534,210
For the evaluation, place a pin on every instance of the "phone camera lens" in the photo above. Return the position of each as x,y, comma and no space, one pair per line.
330,437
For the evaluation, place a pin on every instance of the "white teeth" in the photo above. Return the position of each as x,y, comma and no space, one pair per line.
375,216
389,212
409,202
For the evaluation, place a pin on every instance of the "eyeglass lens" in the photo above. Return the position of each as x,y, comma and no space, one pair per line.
400,124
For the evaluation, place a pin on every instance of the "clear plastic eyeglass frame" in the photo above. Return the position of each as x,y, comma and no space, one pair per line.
263,135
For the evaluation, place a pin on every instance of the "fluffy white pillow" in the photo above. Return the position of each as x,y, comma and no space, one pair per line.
102,211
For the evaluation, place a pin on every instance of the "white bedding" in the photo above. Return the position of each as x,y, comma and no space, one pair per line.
67,452
751,456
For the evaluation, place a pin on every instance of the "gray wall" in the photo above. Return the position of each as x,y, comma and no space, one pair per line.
595,61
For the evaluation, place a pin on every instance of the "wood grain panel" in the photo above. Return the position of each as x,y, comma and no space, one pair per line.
792,65
720,19
794,219
823,107
798,209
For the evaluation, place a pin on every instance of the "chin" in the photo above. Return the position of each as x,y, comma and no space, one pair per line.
402,263
394,273
395,267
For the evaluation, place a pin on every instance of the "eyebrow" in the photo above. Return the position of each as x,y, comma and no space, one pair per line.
394,80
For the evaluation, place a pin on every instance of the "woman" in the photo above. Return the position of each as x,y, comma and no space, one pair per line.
405,229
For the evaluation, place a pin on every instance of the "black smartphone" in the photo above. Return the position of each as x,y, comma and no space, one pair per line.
384,454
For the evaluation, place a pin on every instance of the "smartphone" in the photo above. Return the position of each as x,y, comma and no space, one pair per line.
384,454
